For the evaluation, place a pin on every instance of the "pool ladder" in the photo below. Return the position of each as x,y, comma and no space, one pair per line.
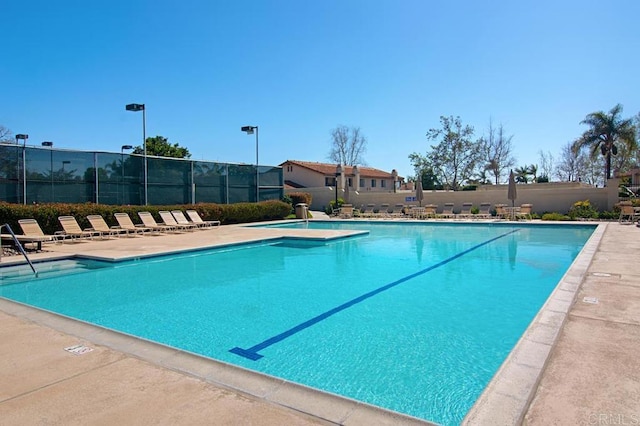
15,240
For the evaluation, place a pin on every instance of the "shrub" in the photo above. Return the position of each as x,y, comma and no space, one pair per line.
582,210
300,197
555,216
609,215
475,210
47,214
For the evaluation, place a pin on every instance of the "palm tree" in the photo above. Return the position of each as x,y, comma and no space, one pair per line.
522,174
533,171
607,130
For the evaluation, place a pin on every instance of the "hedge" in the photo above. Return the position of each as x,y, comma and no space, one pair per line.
47,214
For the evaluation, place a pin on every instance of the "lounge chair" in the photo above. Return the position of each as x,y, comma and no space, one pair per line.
149,222
98,224
346,211
181,219
125,223
32,234
430,211
169,220
367,211
628,213
417,212
195,218
398,210
525,212
71,229
501,211
484,211
447,211
384,210
465,211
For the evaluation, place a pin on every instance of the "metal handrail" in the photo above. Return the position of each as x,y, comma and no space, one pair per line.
24,253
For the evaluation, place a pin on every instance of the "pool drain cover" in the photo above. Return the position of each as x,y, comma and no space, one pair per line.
78,349
592,300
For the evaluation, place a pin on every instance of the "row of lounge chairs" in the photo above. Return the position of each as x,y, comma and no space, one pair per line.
430,211
171,221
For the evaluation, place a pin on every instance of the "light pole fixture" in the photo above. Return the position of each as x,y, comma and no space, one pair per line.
249,130
50,145
24,164
136,108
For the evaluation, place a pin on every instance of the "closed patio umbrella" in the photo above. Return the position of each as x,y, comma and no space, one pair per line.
419,193
512,193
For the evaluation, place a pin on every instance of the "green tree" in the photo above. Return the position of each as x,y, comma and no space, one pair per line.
160,146
522,174
533,171
607,130
429,179
454,159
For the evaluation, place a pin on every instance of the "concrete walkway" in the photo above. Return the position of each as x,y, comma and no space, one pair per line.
592,374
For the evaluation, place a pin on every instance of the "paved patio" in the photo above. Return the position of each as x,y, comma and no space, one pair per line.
591,374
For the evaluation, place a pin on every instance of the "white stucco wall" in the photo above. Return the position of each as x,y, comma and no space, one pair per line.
545,197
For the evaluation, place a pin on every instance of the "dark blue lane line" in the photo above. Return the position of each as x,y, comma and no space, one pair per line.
252,352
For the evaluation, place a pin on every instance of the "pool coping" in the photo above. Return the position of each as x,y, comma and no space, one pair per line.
505,399
273,390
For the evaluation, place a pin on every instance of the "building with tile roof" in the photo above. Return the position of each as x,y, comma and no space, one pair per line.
307,174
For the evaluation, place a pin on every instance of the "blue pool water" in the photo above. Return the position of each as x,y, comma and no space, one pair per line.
411,317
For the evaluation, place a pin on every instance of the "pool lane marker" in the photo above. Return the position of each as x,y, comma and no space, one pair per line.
252,352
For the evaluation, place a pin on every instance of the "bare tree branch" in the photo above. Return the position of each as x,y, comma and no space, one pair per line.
348,144
6,135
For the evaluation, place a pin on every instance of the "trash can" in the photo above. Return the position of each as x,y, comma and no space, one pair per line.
301,211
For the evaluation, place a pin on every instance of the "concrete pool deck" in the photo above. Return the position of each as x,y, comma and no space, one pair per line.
591,372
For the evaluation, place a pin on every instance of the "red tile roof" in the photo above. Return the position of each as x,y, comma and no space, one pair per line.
329,169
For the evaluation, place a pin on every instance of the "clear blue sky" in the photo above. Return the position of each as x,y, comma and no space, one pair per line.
297,69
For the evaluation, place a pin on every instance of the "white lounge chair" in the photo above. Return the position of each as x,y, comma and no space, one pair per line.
98,224
126,223
169,220
182,220
32,234
197,219
71,229
149,221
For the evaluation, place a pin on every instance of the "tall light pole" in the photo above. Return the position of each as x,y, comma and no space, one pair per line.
122,148
50,145
136,108
249,130
24,164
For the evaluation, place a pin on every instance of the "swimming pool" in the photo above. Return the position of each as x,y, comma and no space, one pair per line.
415,318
